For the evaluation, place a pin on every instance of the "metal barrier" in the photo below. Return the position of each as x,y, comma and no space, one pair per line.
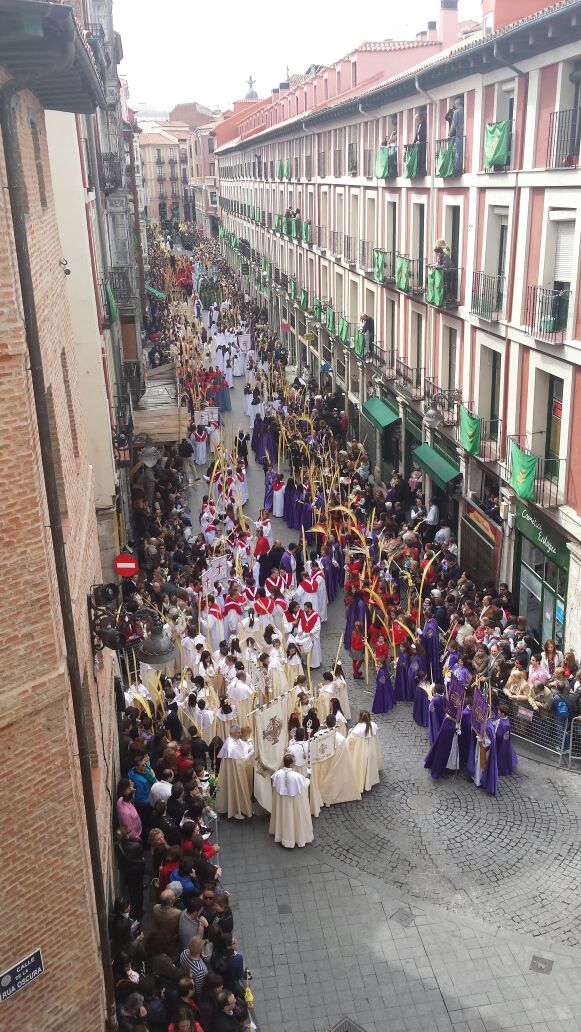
575,745
549,733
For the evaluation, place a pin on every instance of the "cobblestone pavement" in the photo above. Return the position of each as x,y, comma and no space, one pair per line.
420,908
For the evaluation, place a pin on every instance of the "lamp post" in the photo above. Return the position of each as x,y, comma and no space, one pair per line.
433,417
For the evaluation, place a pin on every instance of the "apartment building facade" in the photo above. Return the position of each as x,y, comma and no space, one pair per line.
204,184
472,372
165,156
58,698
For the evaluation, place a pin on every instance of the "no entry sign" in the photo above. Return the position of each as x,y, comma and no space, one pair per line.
125,565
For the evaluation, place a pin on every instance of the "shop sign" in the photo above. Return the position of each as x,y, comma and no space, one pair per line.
482,523
549,541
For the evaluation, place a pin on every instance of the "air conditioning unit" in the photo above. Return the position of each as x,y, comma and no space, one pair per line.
504,510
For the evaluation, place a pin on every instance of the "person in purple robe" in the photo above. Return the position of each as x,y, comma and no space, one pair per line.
441,758
339,558
506,757
269,478
307,518
416,673
289,498
384,698
431,646
326,564
401,673
286,562
482,764
436,713
466,740
357,612
267,444
256,432
297,510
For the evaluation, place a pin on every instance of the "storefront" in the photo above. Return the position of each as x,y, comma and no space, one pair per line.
480,543
439,465
541,569
378,419
413,436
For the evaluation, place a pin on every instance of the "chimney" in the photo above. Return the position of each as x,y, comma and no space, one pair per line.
448,23
422,35
432,30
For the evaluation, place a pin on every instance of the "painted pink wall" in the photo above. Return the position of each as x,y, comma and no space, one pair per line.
574,475
547,103
523,380
487,116
534,236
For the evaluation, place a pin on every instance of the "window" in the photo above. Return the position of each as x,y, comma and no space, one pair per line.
495,387
38,163
70,405
174,190
553,436
212,168
211,144
417,349
449,358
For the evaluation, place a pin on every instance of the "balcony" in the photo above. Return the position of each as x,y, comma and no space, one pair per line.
306,232
160,161
123,287
321,237
366,249
498,146
546,313
443,287
297,174
546,486
487,296
160,177
490,448
447,401
382,359
449,159
410,379
133,381
352,159
564,137
308,166
110,173
350,249
338,169
173,161
368,164
409,275
387,161
335,243
106,315
321,164
183,157
415,160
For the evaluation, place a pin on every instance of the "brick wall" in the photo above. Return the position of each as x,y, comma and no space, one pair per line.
45,883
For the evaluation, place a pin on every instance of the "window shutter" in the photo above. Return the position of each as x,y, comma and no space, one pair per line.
564,251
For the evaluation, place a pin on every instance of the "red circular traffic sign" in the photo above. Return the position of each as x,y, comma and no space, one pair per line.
125,565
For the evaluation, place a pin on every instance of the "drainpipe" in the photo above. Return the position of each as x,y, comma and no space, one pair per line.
434,207
14,178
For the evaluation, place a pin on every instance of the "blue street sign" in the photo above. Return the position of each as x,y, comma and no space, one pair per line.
19,975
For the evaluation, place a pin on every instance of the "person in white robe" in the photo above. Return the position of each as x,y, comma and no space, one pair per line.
325,695
278,489
318,578
199,441
233,794
363,744
290,821
310,624
205,720
298,747
336,777
341,692
241,693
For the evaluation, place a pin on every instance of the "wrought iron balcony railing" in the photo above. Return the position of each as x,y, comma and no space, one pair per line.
449,156
335,243
366,249
491,443
548,488
547,313
320,237
564,138
410,379
487,297
443,286
448,401
110,173
350,249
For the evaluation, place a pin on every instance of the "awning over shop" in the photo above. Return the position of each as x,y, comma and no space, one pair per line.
437,468
154,292
379,413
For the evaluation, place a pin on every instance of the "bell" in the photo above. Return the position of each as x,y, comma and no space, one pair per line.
158,649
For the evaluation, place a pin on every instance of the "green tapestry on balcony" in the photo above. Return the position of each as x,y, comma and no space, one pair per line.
343,330
111,302
435,287
317,308
378,265
294,228
382,163
359,342
497,144
257,214
330,320
279,168
220,231
269,269
293,289
306,232
277,221
304,301
524,471
264,264
410,161
285,224
402,273
445,160
469,431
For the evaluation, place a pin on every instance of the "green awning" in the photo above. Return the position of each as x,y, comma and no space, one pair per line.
440,471
379,413
154,292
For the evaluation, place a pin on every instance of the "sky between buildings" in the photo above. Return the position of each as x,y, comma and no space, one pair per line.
178,51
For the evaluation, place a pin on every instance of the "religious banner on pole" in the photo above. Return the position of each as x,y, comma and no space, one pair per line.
217,571
455,698
322,747
270,735
480,712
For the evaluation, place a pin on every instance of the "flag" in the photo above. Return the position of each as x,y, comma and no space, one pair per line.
378,265
469,431
524,471
382,163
